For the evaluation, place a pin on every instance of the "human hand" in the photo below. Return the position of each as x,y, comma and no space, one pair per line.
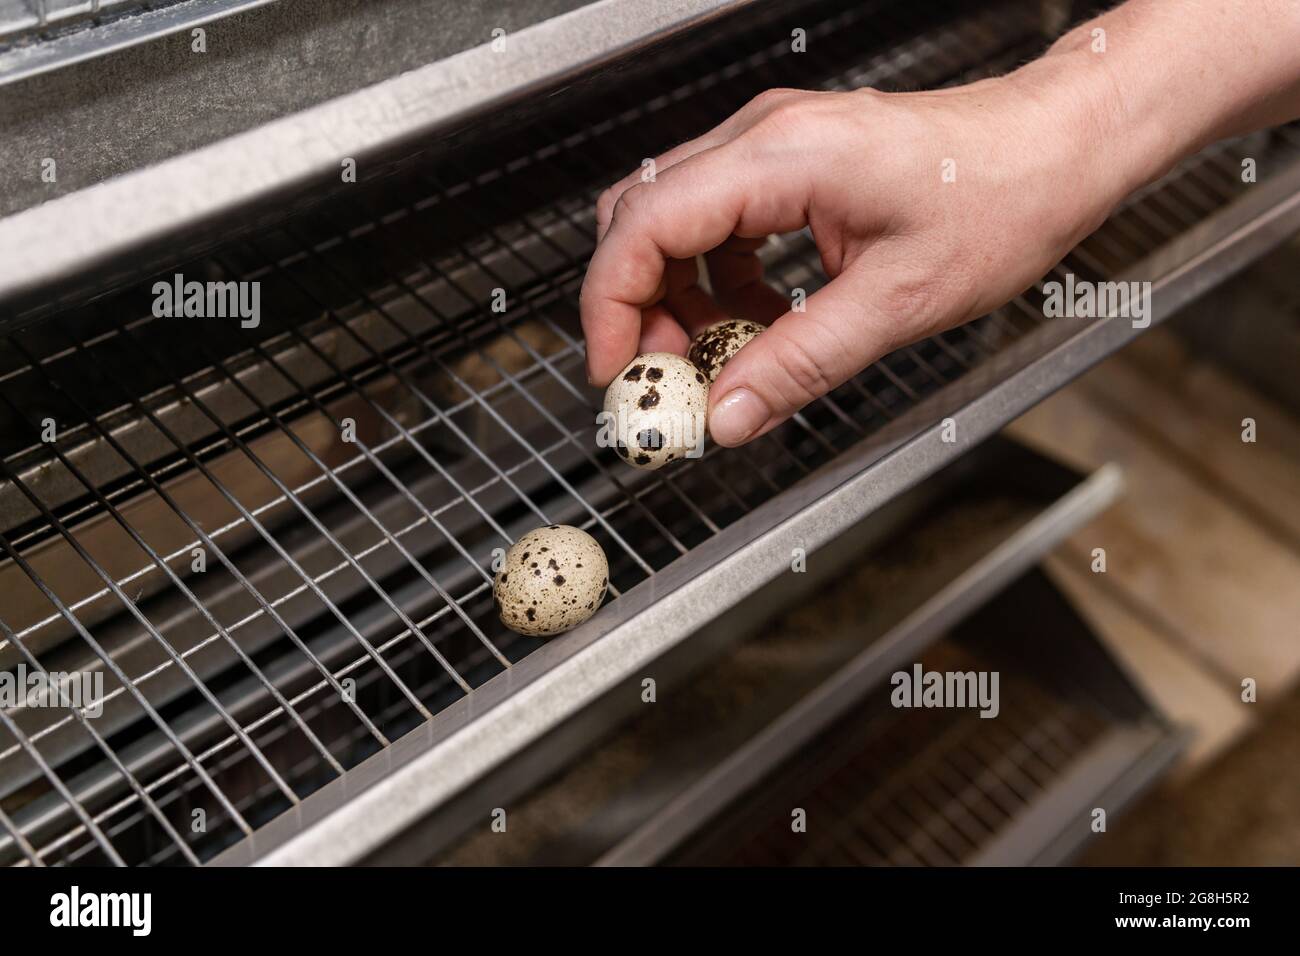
928,210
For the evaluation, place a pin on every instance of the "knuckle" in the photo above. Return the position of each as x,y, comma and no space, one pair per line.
805,375
916,304
590,298
911,294
770,99
787,118
605,205
628,204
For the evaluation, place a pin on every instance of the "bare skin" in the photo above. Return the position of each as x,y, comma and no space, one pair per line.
1035,159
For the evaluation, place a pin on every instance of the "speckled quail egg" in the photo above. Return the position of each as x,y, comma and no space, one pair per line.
552,579
655,410
715,346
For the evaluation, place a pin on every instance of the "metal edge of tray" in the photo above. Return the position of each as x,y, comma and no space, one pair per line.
744,767
1120,795
1044,482
379,798
1109,775
136,26
39,247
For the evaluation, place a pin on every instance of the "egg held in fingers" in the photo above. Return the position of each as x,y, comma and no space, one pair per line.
655,411
551,579
715,345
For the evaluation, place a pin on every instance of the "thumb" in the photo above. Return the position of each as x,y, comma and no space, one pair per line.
801,357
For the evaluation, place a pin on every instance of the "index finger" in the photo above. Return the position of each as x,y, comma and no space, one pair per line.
689,209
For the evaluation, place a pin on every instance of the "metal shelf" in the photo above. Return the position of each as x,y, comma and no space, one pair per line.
731,777
944,787
626,784
368,561
461,744
38,36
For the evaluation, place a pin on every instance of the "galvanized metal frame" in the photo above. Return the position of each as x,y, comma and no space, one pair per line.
339,825
133,23
34,634
454,748
144,207
660,834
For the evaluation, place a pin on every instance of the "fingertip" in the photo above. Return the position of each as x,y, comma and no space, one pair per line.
739,415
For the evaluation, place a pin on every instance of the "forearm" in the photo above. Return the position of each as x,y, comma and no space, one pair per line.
1168,77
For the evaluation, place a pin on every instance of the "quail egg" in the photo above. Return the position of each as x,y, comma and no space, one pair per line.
655,410
552,579
715,346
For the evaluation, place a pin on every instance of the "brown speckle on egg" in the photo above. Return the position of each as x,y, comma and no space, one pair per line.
543,605
658,404
715,346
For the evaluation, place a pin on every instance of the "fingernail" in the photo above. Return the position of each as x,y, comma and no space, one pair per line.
737,416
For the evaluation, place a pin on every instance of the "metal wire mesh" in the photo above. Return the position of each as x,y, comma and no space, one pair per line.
916,787
29,21
347,590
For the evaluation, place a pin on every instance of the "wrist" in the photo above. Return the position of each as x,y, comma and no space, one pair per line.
1156,81
1115,146
1077,161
